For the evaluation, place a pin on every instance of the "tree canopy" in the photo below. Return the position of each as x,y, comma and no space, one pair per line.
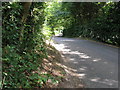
27,25
95,20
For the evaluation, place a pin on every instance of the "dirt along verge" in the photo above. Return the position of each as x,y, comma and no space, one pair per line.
50,66
68,80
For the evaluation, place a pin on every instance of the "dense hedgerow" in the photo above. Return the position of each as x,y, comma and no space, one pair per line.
21,58
99,21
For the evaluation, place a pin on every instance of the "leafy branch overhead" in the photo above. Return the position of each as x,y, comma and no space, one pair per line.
27,25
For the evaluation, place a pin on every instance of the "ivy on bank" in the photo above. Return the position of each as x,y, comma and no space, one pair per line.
21,58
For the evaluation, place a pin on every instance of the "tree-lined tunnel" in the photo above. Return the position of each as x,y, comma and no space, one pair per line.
27,26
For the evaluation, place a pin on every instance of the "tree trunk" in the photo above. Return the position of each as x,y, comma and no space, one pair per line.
26,7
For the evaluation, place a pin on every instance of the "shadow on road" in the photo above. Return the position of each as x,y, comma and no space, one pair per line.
84,67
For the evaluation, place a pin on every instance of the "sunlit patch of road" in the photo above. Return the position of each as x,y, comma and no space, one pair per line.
94,63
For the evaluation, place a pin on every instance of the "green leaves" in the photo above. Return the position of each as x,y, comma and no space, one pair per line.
98,23
22,58
17,69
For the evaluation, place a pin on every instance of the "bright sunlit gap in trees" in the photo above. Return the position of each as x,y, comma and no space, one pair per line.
55,18
77,20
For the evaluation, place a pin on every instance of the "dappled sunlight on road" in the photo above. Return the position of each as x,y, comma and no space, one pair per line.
82,55
68,68
67,40
71,71
75,62
82,68
104,81
80,75
72,59
96,60
82,65
65,50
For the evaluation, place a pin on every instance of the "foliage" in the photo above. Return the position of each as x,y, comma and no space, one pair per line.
101,22
95,20
56,18
21,59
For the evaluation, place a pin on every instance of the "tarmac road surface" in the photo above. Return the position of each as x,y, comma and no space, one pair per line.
94,63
